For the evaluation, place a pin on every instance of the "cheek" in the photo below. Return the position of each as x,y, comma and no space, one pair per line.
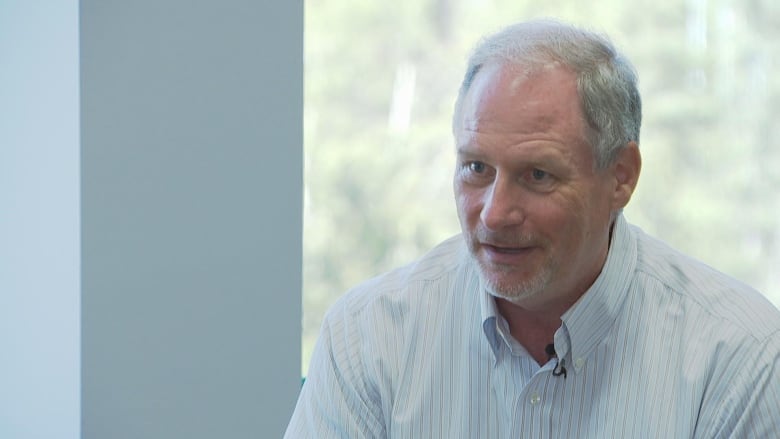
583,218
561,218
457,190
463,204
468,206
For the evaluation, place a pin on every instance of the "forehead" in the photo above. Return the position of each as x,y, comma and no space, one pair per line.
518,99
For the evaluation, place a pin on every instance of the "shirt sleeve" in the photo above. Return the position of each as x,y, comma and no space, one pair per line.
336,400
750,403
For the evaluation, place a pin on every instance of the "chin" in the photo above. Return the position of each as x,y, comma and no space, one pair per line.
514,290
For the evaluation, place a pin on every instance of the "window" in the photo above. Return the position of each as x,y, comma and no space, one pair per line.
381,80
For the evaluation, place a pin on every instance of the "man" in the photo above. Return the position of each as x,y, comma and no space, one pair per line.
550,316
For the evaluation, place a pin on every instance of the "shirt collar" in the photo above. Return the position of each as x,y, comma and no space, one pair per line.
589,320
490,318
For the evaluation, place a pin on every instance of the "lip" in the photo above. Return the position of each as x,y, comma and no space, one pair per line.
506,255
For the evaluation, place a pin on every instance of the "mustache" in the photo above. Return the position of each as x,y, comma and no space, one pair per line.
504,238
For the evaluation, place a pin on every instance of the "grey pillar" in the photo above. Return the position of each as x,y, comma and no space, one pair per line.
191,165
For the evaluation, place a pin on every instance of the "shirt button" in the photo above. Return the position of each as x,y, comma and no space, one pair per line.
535,399
579,362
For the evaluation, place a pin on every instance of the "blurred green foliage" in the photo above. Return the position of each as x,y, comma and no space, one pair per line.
380,83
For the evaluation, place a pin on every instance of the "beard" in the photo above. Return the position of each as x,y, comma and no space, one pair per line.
505,281
496,282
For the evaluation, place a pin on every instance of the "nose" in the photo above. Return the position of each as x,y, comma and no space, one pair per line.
502,206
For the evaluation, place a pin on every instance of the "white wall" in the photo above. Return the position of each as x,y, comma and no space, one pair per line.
150,258
39,219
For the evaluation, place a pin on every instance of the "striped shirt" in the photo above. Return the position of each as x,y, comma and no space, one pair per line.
660,346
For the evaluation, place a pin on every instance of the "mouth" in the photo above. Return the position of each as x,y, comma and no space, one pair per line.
506,254
510,250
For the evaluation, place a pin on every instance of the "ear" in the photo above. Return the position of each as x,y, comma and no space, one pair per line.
625,170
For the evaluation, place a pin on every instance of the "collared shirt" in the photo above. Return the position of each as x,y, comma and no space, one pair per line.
660,346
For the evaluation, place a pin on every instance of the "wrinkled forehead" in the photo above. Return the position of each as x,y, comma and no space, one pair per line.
512,95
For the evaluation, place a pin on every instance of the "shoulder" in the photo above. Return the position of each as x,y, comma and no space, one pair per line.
366,341
705,290
375,327
409,286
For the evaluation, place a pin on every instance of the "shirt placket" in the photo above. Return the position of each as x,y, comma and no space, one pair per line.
525,402
534,404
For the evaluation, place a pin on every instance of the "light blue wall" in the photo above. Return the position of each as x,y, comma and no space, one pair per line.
150,218
39,219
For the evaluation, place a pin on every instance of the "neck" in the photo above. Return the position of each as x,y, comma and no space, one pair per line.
533,329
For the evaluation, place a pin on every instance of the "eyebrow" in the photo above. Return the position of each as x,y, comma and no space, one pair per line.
537,155
465,150
466,153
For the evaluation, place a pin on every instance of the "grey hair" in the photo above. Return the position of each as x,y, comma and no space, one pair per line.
606,80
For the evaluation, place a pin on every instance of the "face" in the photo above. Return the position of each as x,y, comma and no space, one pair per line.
535,213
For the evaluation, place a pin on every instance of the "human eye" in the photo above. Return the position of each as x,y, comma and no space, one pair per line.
539,175
540,179
474,171
476,167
